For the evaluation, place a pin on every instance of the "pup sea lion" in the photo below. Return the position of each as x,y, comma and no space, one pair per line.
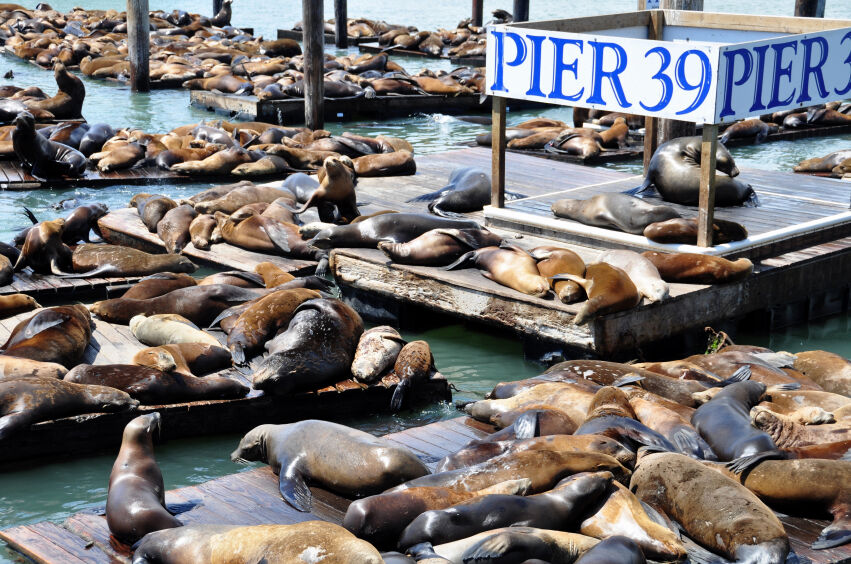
641,271
55,334
469,190
339,458
189,359
376,352
397,163
509,265
166,329
135,499
45,158
825,163
614,211
158,284
14,304
684,231
609,289
715,511
555,260
173,228
391,227
29,400
692,268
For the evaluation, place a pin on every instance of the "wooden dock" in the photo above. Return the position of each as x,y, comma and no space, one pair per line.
123,227
50,288
252,498
329,37
115,344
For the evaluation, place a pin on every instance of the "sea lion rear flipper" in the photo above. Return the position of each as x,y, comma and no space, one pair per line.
277,234
687,444
295,491
12,423
511,196
430,196
99,271
178,508
837,533
626,380
572,277
322,267
787,387
433,208
399,394
226,313
752,201
740,375
777,359
501,544
743,463
649,438
237,354
527,426
643,191
660,518
30,215
462,262
424,550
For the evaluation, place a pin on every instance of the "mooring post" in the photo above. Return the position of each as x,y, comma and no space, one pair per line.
139,44
478,11
217,6
706,212
651,125
314,64
521,11
498,152
809,8
341,20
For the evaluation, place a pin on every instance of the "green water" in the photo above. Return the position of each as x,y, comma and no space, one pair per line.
471,359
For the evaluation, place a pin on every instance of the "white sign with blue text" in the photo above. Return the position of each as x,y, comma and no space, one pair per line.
700,82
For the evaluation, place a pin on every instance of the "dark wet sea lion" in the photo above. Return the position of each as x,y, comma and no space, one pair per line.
82,220
439,247
173,228
68,101
45,158
234,278
618,549
753,127
201,231
25,401
548,510
692,268
270,544
56,334
189,359
135,499
13,304
609,289
43,249
316,350
116,260
508,265
159,284
614,211
7,271
154,387
152,208
675,172
391,227
94,138
344,460
684,231
414,364
10,252
469,190
555,260
715,511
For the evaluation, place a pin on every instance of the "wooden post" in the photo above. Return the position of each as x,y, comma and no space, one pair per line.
139,45
314,64
217,6
809,8
706,212
651,124
521,11
478,11
341,20
498,152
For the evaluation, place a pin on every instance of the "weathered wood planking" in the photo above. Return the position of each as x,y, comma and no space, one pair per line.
252,498
123,227
329,37
115,344
50,287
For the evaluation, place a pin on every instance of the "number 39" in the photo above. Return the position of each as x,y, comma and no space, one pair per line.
702,85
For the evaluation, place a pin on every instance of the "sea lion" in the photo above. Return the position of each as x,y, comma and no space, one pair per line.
509,266
45,158
151,208
13,304
12,368
671,425
825,163
609,290
684,231
614,211
117,260
266,235
167,329
439,247
641,271
316,350
7,271
189,359
693,268
234,278
830,371
155,387
414,364
272,274
219,163
135,499
201,231
391,227
173,228
225,83
787,434
25,401
397,163
715,511
469,190
548,510
54,334
81,221
43,249
341,459
270,544
618,548
158,284
753,127
617,135
725,423
337,187
238,196
572,397
516,544
376,352
555,260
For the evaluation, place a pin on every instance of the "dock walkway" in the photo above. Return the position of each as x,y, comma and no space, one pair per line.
49,287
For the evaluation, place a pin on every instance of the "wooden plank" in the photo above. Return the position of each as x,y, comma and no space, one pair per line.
774,24
706,211
498,150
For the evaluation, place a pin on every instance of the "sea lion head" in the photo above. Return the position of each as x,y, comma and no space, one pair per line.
143,426
766,420
52,228
156,357
110,399
724,161
325,239
25,121
253,445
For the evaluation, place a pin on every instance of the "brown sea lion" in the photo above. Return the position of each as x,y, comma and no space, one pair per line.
513,544
394,227
684,231
151,208
117,260
234,278
439,247
715,511
173,228
509,266
573,398
158,284
226,83
24,401
830,371
189,359
155,387
336,187
272,274
825,163
556,260
376,352
344,460
201,231
614,211
55,334
692,268
135,499
753,127
266,235
397,163
12,368
44,251
238,196
672,426
414,364
13,304
640,270
617,135
7,271
788,434
609,290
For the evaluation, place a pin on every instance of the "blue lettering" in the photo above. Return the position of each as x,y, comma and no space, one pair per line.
847,61
537,42
779,72
703,83
730,58
499,51
811,69
612,75
760,71
561,67
667,83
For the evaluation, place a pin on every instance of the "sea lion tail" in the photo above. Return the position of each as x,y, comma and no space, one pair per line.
835,534
399,394
752,201
646,189
462,262
30,215
433,208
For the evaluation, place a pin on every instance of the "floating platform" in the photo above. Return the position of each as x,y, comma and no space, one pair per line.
51,288
475,61
345,109
124,227
115,344
329,37
252,498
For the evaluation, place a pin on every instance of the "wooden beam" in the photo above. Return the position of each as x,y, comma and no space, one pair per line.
478,10
809,8
314,64
341,20
706,213
773,24
139,45
590,23
498,148
521,10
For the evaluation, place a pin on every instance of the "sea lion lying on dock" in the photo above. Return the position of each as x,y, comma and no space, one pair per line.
117,260
44,158
56,334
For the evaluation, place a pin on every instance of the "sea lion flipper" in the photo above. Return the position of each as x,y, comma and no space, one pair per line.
500,544
431,195
462,236
527,425
30,215
178,508
626,380
744,463
42,321
687,444
226,313
294,490
660,518
511,196
399,394
572,277
462,262
740,375
787,387
835,534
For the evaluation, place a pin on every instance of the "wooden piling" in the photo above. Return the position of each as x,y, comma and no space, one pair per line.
139,44
706,211
478,11
521,10
314,61
809,8
651,124
498,152
341,19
